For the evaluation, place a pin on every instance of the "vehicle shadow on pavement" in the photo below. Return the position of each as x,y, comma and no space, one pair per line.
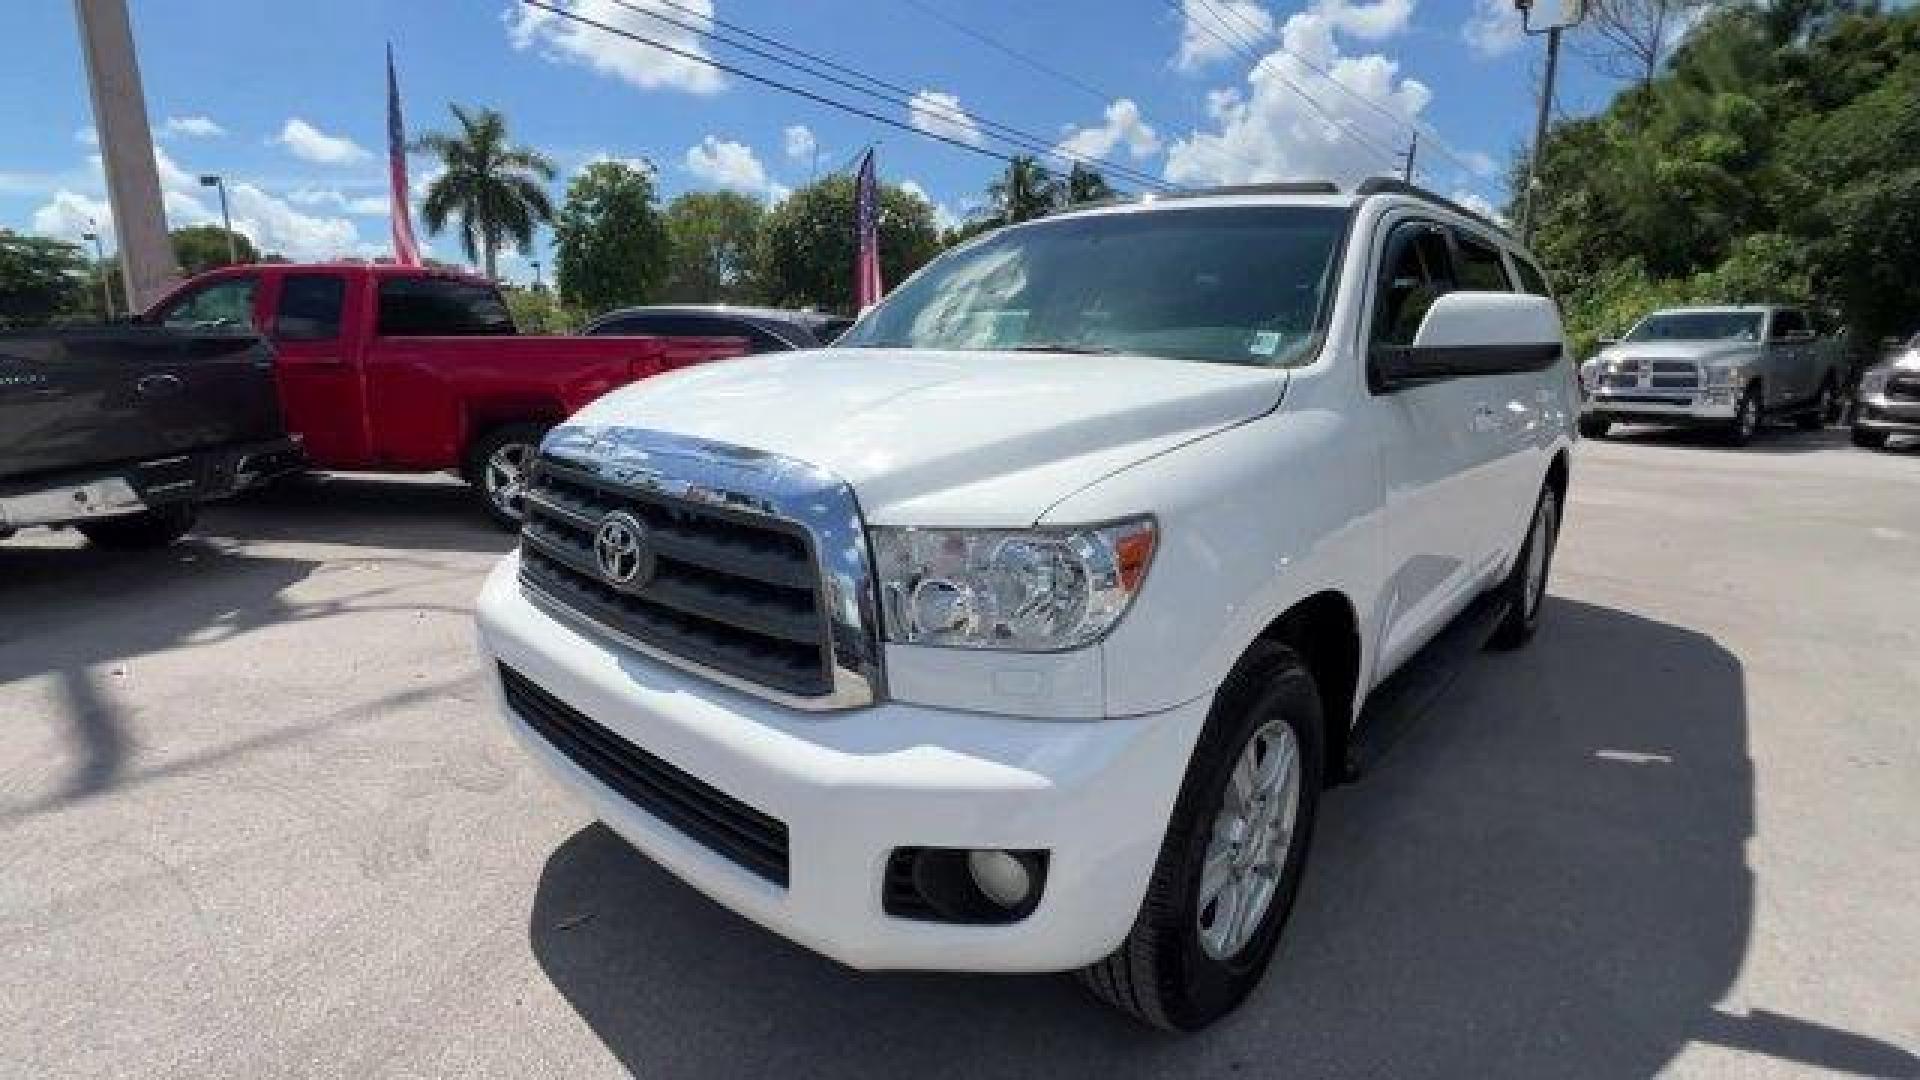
420,513
1771,439
1546,877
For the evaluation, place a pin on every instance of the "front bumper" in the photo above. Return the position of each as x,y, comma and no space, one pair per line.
852,786
1654,406
1878,412
139,486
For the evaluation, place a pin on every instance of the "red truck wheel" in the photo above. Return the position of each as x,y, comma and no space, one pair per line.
497,466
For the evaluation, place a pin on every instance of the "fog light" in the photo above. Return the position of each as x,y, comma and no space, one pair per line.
1003,878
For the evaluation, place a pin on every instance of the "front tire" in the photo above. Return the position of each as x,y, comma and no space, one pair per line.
1526,585
1234,853
1595,427
148,529
1746,418
497,466
1868,439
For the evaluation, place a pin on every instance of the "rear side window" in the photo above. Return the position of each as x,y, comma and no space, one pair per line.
309,307
1531,279
1787,322
1481,268
441,307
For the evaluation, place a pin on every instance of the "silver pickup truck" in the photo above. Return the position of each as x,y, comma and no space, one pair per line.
1726,367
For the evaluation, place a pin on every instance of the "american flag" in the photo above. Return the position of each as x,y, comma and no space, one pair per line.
406,251
866,224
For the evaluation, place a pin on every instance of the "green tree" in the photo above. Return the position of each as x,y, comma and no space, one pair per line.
806,246
1025,191
539,311
496,189
610,245
714,237
1085,185
200,248
42,281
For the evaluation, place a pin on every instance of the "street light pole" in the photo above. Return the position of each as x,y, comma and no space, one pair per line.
100,266
213,180
1561,14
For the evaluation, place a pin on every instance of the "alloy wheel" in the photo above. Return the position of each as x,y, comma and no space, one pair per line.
505,476
1252,835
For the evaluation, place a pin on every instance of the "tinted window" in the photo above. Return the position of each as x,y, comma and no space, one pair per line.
1235,285
441,307
1531,279
1481,268
631,325
309,307
1698,326
223,305
685,325
1416,271
1788,322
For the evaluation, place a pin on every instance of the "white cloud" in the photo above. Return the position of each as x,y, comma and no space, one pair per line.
194,125
1494,28
87,136
728,164
943,215
1124,126
357,205
564,40
1479,162
1268,132
70,214
309,142
1213,30
939,113
800,143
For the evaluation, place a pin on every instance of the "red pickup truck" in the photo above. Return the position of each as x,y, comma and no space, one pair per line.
405,369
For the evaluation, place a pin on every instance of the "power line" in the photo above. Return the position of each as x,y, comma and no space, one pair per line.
891,93
1433,137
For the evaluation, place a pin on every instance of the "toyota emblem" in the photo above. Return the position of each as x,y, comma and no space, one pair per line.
620,547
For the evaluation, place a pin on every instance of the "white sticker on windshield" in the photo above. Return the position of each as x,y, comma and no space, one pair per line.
1265,343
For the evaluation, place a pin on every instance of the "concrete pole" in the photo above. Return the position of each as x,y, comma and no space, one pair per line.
126,148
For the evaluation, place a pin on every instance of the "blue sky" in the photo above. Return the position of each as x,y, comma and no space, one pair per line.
286,100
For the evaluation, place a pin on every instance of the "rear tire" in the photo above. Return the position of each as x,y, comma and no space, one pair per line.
1192,958
154,528
496,469
1526,586
1868,439
1595,427
1746,418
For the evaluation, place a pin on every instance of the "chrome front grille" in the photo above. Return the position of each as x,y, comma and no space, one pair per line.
755,566
1903,386
1633,373
1675,374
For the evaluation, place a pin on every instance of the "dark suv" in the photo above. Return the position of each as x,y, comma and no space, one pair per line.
766,329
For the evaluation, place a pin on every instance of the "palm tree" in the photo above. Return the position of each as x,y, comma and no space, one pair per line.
1026,190
496,189
1085,185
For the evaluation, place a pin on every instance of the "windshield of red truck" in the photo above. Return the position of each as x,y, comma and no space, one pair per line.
1240,285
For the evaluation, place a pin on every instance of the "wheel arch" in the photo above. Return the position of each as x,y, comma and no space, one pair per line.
1324,628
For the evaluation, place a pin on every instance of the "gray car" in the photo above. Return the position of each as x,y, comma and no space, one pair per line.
1730,368
1888,400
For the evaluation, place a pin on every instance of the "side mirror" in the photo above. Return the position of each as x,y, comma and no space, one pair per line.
1469,334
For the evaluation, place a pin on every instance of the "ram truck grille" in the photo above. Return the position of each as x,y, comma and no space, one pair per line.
1902,386
725,590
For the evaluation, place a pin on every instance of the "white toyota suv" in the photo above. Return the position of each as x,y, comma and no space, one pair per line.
1022,630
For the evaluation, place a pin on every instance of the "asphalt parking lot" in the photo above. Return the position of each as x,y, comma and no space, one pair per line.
255,821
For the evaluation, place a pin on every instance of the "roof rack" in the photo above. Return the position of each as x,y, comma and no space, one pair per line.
1373,185
1290,187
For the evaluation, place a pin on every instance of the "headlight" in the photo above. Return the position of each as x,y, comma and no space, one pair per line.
1874,381
1034,590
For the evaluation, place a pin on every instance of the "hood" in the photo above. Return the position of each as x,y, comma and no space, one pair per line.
969,439
1696,351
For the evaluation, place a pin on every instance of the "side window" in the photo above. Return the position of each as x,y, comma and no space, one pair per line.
309,307
1481,268
1531,279
223,305
636,325
1416,269
441,307
1787,322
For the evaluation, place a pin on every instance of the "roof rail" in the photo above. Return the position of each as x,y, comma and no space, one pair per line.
1290,187
1381,185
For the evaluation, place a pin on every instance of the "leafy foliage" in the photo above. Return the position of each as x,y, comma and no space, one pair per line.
610,244
806,247
713,237
496,189
538,311
200,248
1024,192
1776,158
42,281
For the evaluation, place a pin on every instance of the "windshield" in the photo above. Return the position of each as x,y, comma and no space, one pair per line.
1698,326
1240,285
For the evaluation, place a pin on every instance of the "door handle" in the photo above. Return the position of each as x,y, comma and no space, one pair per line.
161,385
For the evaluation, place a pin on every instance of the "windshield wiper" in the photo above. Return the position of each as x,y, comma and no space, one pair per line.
1066,347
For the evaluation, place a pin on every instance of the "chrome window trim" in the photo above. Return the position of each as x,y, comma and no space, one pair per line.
769,485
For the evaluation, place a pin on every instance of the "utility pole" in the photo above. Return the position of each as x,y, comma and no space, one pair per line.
213,180
1564,13
147,268
1406,165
